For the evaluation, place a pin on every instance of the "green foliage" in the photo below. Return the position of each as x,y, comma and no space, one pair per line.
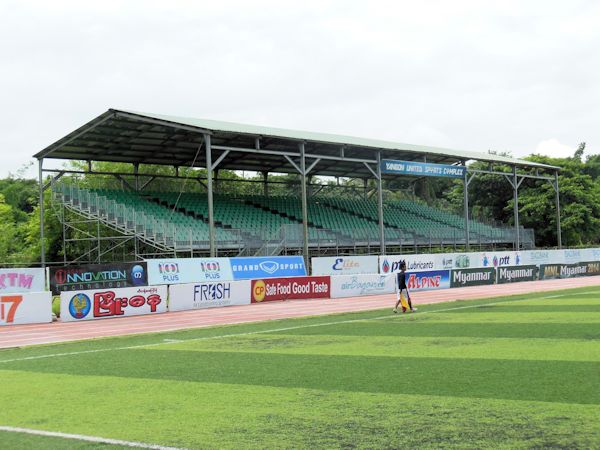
579,184
490,197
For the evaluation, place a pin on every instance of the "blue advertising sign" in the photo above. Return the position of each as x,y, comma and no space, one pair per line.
422,169
245,268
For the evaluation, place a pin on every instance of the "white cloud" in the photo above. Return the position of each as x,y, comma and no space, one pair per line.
464,74
552,147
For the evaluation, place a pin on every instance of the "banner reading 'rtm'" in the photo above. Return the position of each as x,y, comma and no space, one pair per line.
422,169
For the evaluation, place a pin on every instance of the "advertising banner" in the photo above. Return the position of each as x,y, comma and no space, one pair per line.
98,276
572,256
498,259
423,262
551,271
107,303
424,281
296,288
539,257
422,169
344,265
22,280
590,254
359,285
472,277
208,295
514,274
592,268
245,268
188,270
575,270
22,308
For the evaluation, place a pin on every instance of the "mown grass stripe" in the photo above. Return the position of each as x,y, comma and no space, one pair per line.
542,380
224,336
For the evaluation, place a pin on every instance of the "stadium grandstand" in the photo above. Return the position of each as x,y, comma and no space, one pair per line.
204,221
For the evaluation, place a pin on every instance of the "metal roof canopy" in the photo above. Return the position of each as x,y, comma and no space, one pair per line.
144,138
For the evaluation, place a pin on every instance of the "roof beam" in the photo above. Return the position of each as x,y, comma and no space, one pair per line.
164,123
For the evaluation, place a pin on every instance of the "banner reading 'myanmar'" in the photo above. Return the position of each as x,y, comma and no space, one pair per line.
472,277
513,274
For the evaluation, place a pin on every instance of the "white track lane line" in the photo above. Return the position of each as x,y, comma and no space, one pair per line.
273,330
82,437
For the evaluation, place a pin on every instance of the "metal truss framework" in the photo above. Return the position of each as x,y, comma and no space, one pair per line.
297,160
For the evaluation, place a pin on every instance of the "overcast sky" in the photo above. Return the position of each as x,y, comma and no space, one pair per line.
512,76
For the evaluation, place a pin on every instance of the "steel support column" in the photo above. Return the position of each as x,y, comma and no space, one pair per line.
42,239
265,175
558,231
209,187
304,205
516,208
136,171
380,205
466,206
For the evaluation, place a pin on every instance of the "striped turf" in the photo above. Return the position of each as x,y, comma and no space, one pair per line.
518,372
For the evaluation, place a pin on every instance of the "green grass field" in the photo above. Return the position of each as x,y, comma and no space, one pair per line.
519,372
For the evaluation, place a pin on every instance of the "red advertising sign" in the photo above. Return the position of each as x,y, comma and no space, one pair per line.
294,288
85,305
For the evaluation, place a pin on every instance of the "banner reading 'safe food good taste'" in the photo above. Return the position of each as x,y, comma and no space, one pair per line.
295,288
188,270
22,280
107,303
208,295
97,276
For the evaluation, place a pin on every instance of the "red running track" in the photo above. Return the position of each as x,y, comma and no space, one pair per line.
23,335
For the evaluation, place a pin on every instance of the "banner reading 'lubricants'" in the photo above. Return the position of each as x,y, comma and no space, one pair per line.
294,288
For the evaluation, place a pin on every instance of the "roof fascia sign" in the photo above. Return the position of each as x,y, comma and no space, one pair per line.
421,169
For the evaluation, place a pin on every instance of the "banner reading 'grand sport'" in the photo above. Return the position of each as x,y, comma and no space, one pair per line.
246,268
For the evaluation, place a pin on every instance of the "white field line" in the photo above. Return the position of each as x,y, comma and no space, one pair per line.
81,437
248,333
576,293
